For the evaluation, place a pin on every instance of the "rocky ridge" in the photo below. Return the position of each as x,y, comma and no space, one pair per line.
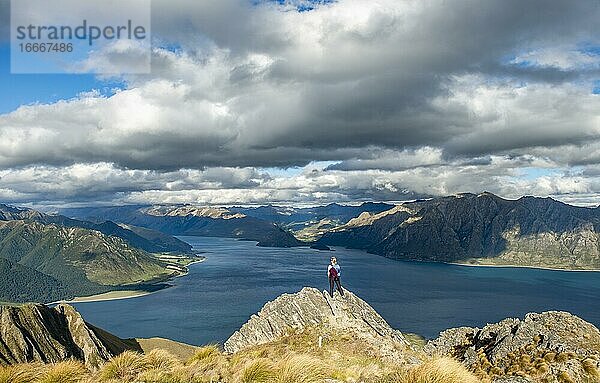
312,308
38,333
550,347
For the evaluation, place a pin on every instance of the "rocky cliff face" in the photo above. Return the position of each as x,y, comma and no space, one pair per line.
37,333
549,347
313,308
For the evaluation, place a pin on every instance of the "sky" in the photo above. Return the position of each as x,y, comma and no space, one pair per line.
312,102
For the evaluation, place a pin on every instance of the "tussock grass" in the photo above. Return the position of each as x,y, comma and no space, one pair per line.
438,370
564,377
258,371
210,365
124,367
297,358
158,359
158,376
590,367
70,371
300,369
22,373
205,354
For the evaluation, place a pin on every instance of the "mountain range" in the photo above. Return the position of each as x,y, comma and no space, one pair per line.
145,239
479,229
192,221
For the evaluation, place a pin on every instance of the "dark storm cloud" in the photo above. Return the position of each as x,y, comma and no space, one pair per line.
406,97
261,87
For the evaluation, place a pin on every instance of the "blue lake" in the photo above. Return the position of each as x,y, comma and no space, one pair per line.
238,278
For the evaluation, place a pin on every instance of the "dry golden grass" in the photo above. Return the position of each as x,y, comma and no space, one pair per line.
438,370
205,354
257,371
160,360
180,350
564,377
300,369
213,366
590,367
70,371
297,358
124,367
22,373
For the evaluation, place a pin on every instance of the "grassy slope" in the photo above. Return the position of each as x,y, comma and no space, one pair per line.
83,261
21,284
294,358
180,350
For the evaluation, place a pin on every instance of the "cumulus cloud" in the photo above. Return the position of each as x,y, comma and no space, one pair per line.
406,98
104,183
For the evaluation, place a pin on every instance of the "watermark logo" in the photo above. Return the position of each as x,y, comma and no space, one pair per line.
80,36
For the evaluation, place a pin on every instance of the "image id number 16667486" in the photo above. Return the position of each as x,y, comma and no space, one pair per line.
46,47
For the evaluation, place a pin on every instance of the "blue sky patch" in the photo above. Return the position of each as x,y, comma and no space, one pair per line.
26,89
590,49
531,173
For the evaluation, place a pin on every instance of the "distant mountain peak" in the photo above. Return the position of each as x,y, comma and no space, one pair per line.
190,210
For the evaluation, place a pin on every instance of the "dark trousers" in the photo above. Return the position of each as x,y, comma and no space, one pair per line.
335,281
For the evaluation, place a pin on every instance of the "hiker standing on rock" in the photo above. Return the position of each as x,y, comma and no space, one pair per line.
333,273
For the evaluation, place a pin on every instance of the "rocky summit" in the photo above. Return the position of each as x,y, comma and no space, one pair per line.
38,333
550,347
313,308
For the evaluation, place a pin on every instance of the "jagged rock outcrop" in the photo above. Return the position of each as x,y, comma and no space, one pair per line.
552,345
38,333
310,308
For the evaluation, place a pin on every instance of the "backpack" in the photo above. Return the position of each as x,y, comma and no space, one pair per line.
333,273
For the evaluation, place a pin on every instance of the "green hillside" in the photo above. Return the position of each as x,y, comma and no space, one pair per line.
20,283
83,261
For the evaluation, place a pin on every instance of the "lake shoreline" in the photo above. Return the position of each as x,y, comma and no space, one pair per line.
523,267
115,295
